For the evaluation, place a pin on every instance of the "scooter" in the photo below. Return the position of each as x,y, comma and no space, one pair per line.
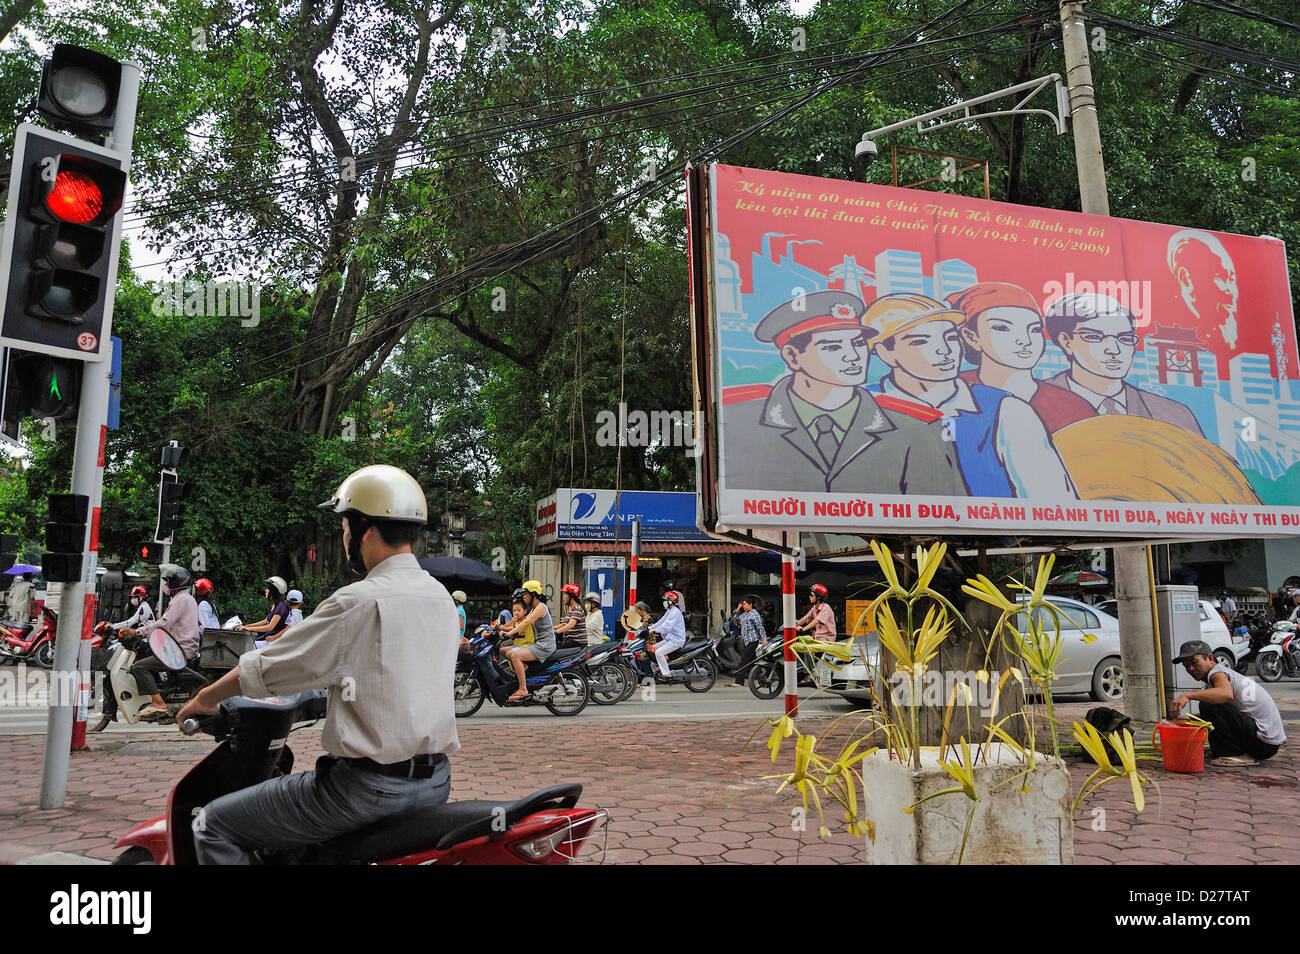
692,666
560,683
1281,656
23,642
544,828
177,685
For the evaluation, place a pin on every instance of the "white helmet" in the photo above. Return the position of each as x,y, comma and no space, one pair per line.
459,596
278,585
381,492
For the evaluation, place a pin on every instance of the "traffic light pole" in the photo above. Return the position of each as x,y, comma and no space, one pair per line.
72,645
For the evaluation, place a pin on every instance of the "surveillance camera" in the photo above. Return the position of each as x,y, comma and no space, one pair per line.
865,152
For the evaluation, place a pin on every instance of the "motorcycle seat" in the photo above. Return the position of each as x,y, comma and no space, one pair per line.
443,826
690,647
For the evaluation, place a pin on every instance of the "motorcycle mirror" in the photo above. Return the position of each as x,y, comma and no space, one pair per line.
165,647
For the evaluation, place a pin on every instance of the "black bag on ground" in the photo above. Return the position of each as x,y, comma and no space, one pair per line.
1106,720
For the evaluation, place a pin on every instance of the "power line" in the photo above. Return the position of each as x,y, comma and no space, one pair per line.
1226,6
500,131
1166,59
579,138
614,203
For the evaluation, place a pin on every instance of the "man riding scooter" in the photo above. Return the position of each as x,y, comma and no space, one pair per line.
181,621
385,649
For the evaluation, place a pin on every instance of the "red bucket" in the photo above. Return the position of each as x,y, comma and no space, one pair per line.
1183,746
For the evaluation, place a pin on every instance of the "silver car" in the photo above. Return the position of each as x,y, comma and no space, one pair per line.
1091,667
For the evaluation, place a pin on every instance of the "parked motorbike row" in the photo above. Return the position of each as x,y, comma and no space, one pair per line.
608,673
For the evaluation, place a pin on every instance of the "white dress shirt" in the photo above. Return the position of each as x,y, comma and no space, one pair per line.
385,649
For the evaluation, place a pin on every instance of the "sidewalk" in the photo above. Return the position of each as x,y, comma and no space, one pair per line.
680,792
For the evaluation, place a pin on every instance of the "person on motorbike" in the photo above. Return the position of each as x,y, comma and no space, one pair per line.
594,625
208,617
522,633
820,618
385,650
143,612
459,597
277,617
573,626
752,635
671,630
539,618
294,602
181,622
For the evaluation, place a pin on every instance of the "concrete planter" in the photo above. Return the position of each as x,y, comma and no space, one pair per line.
1010,826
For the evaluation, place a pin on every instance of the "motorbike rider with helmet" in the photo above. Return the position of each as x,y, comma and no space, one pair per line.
208,618
277,617
540,649
385,650
574,624
143,611
820,618
181,622
671,630
143,614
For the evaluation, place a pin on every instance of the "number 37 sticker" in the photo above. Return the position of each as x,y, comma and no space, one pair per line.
87,341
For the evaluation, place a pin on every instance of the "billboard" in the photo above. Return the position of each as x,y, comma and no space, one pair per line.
580,514
886,360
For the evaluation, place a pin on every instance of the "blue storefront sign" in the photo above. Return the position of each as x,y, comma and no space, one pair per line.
575,514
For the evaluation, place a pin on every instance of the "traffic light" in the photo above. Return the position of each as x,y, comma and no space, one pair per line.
8,557
47,387
65,537
149,553
170,494
79,90
58,255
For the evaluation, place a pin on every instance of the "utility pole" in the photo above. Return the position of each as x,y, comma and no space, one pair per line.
1133,580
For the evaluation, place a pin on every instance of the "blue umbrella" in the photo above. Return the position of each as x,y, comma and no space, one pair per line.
18,569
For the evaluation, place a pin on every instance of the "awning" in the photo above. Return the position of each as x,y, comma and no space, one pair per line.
665,548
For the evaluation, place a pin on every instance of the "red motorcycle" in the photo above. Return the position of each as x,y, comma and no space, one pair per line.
23,642
544,828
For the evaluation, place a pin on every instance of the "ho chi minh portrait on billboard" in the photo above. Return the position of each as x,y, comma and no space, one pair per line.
889,360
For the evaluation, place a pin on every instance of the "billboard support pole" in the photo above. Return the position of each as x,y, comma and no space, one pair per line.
1142,692
788,619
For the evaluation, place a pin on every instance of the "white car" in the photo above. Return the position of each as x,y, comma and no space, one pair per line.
1228,647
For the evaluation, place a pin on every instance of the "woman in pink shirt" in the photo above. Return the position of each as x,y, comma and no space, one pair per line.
820,618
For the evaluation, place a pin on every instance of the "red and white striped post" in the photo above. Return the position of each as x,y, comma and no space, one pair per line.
84,675
636,552
788,619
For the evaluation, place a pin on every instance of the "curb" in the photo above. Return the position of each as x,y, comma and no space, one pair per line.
24,855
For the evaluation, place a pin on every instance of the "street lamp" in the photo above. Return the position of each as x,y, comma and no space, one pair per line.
866,152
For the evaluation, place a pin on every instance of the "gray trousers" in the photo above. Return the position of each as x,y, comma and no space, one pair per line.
307,808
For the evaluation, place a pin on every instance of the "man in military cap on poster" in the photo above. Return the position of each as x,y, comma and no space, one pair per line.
817,429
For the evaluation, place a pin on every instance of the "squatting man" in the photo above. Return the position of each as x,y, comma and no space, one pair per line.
385,649
1247,727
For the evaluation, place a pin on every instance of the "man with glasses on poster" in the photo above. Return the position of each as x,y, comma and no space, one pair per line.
1099,336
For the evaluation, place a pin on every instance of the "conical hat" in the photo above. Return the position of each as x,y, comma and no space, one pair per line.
632,619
